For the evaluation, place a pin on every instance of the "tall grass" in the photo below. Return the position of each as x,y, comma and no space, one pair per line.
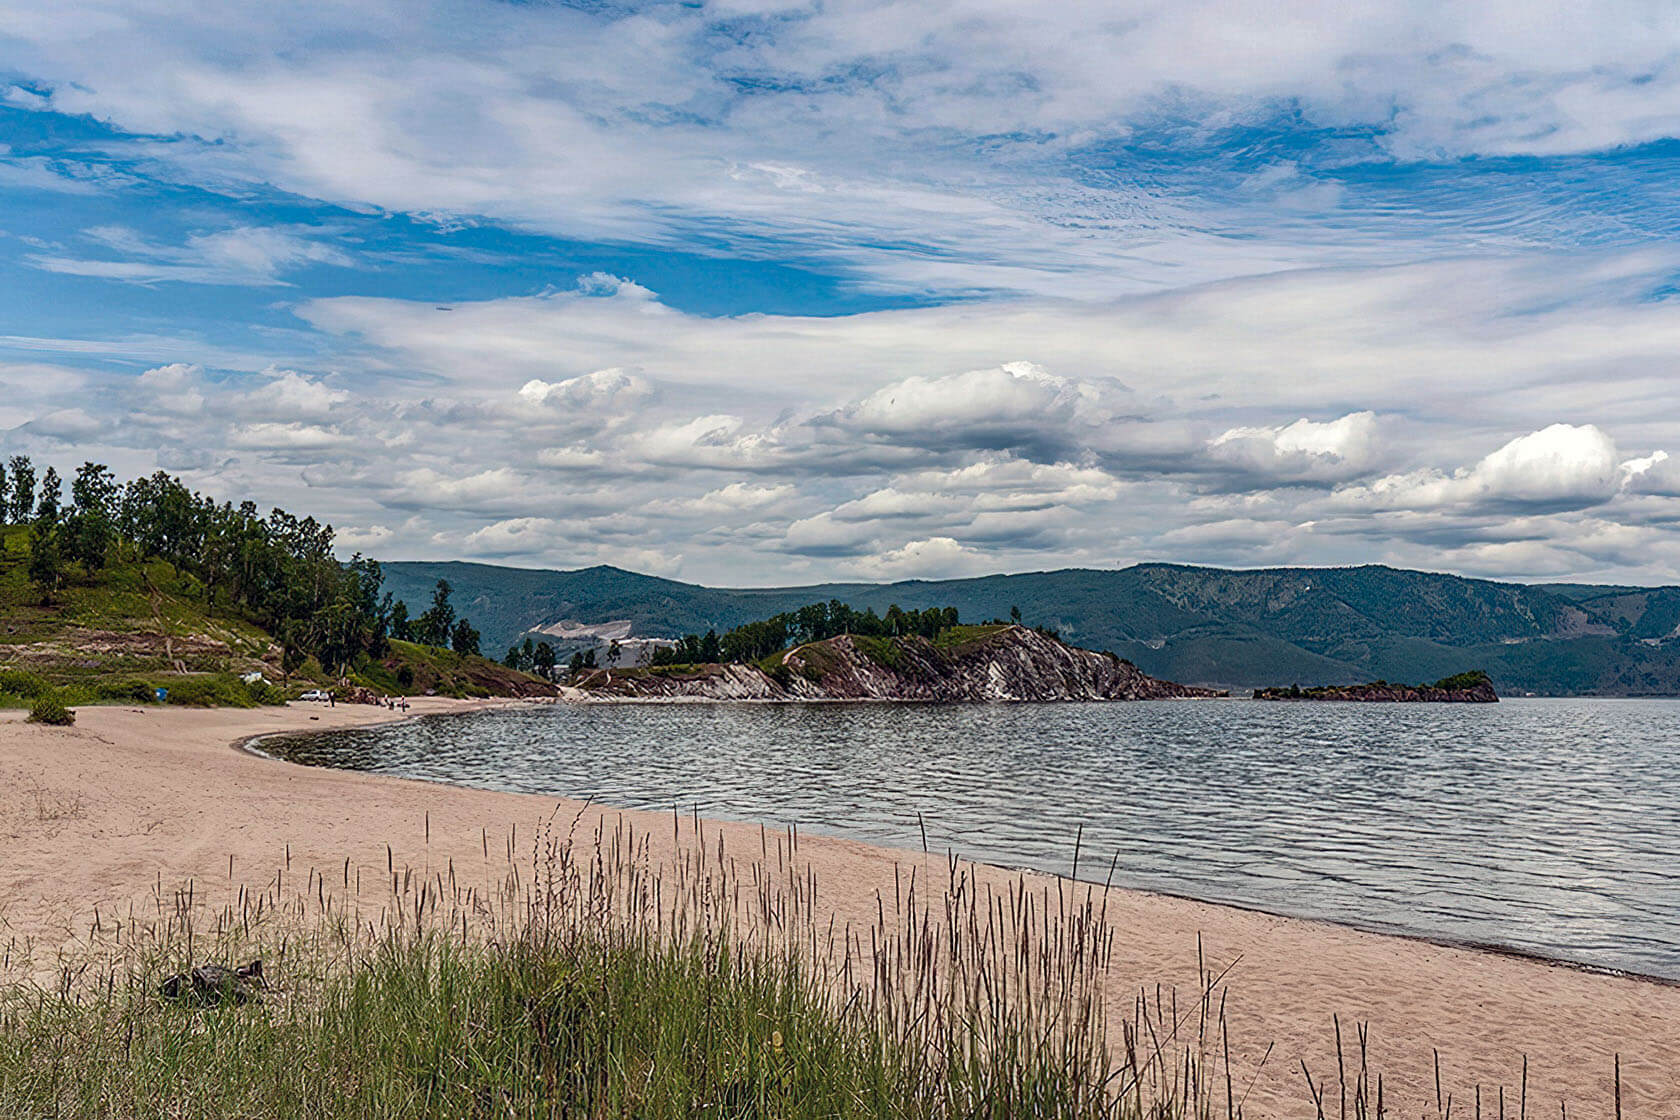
593,980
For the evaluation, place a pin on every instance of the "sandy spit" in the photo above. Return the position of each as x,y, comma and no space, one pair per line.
98,815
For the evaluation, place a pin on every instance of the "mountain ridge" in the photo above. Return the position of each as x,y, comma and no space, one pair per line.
1222,627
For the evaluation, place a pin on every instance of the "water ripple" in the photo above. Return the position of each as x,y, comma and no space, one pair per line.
1546,826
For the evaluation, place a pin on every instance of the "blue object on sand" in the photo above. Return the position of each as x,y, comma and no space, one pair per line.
162,695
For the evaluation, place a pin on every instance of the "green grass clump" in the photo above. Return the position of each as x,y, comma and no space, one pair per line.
957,637
22,683
49,709
885,652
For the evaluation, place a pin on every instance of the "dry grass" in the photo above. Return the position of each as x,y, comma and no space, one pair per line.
574,975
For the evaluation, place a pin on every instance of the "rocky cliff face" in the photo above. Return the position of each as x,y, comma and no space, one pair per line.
1010,663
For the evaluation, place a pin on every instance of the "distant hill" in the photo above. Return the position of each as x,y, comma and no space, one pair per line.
1212,626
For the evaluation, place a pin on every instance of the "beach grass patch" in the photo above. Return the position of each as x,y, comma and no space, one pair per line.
51,710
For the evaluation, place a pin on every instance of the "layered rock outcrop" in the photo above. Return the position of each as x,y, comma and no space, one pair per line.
1006,663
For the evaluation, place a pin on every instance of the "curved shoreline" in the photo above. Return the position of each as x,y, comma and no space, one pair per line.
248,745
130,803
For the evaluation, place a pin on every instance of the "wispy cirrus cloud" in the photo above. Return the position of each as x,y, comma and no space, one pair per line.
865,288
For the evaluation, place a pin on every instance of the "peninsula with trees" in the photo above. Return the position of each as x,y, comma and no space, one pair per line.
830,651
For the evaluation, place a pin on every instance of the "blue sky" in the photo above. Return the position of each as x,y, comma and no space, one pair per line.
755,292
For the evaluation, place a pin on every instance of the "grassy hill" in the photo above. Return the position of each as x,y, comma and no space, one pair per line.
137,627
1238,629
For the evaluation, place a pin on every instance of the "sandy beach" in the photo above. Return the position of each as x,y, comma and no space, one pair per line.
100,814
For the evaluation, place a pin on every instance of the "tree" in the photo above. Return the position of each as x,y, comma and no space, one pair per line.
46,558
292,657
576,665
401,628
1015,615
437,626
709,649
511,659
52,496
613,650
23,489
88,538
543,659
94,489
90,530
527,656
463,638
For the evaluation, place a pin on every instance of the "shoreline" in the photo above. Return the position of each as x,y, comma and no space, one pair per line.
248,745
100,814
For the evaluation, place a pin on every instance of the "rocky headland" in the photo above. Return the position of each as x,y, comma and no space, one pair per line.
1465,688
972,664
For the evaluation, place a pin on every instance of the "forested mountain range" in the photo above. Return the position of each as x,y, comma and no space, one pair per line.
1229,628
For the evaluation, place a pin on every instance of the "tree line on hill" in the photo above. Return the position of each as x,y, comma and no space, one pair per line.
814,622
279,569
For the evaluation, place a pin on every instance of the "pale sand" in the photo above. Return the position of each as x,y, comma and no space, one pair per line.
100,814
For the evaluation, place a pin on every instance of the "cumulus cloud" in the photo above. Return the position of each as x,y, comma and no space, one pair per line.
288,395
68,425
606,391
1304,450
1272,420
1018,405
1561,466
933,558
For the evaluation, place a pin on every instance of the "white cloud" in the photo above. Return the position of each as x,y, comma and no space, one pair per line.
289,395
69,425
1302,450
249,255
927,148
607,391
1563,465
933,558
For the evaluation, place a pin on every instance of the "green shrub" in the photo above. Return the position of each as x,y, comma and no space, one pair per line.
21,682
219,690
1457,681
264,694
126,692
50,709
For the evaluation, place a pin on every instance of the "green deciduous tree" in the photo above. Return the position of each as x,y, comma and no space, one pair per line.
46,558
463,638
52,496
21,503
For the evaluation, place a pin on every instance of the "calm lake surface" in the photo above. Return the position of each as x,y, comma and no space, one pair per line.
1547,826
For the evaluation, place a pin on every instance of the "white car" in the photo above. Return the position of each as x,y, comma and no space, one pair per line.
316,694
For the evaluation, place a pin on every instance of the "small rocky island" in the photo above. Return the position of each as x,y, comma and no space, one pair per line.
960,664
1473,687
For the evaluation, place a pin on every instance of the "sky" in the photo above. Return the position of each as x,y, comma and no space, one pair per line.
753,292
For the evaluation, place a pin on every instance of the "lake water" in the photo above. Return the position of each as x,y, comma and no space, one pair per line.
1546,826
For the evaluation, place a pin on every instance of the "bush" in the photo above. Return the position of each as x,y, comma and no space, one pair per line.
126,692
21,682
209,691
50,709
265,694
